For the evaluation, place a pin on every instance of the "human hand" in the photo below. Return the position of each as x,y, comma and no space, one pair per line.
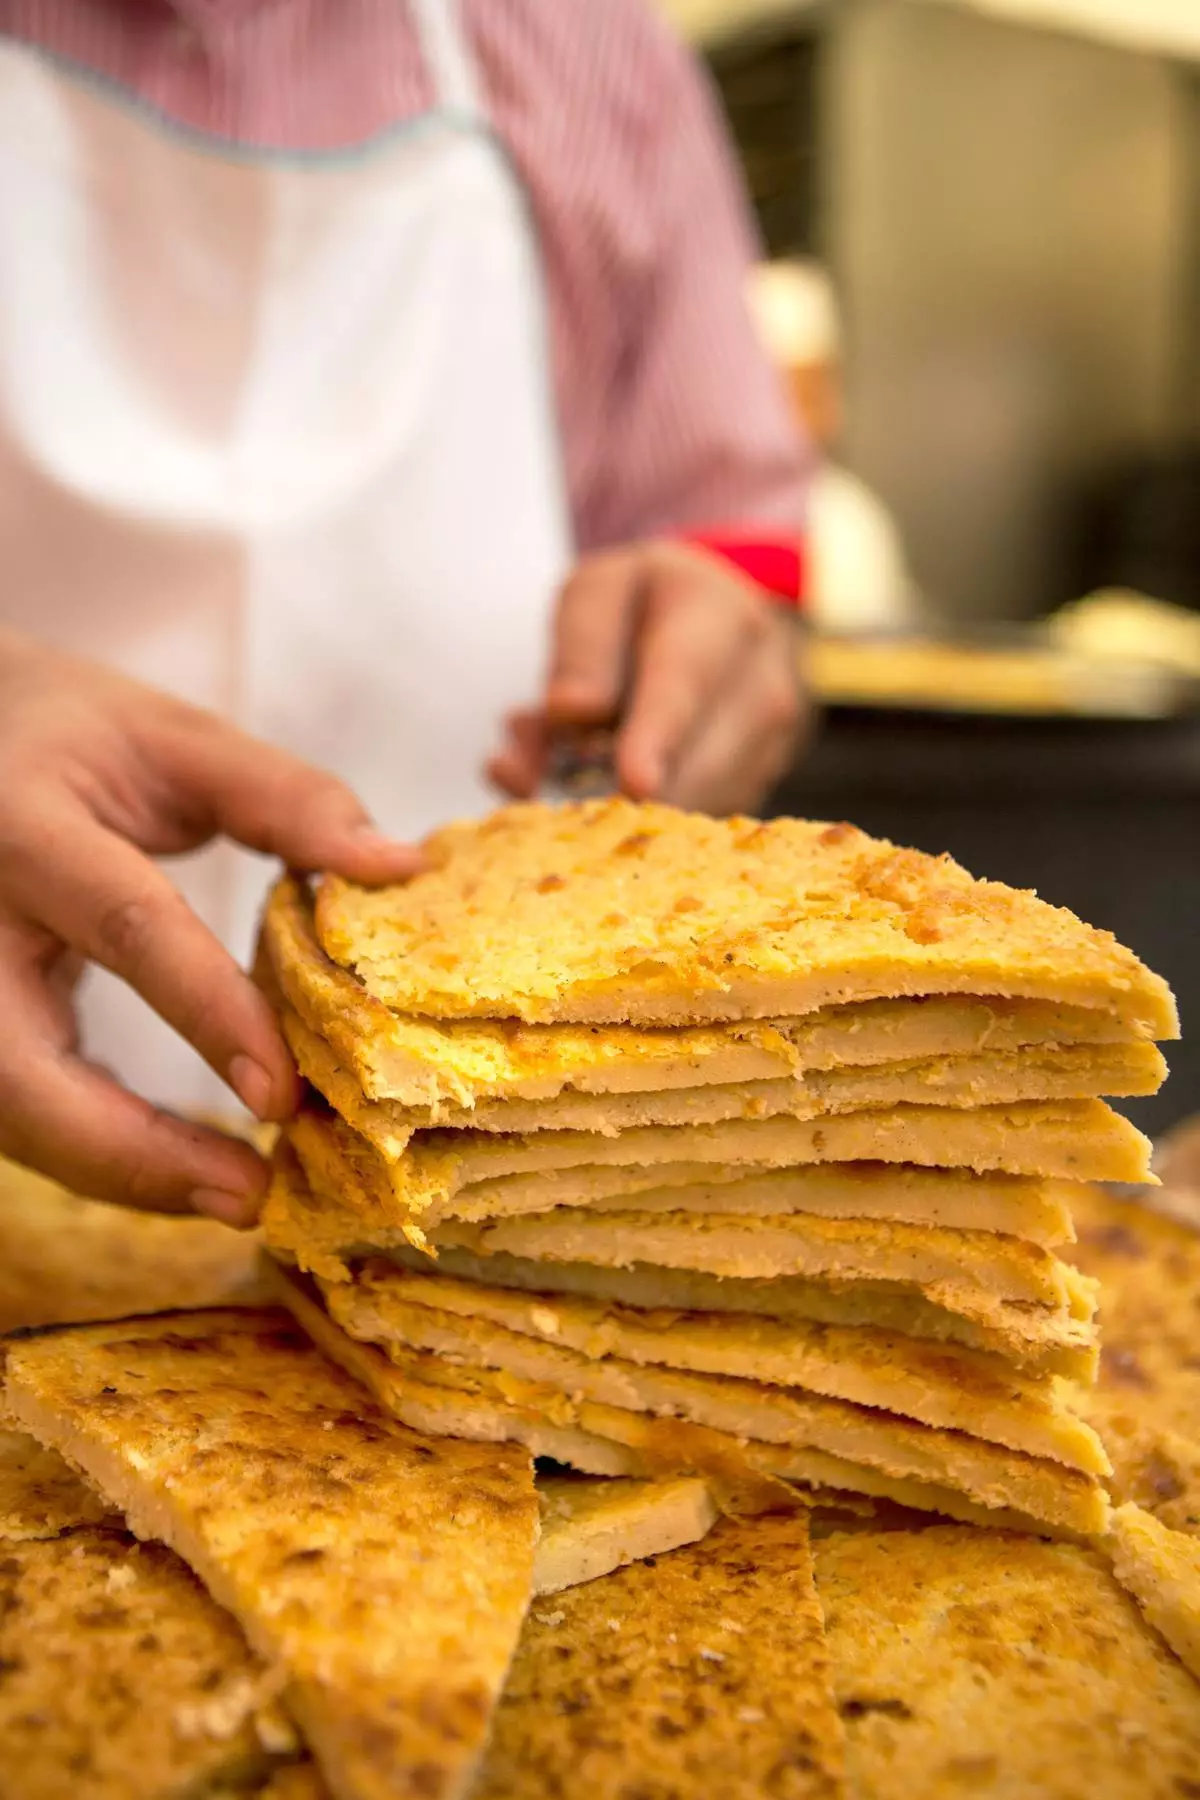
693,665
97,775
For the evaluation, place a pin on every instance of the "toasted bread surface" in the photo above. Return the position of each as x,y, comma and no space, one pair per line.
40,1496
1161,1569
1148,1268
64,1259
423,1063
612,911
122,1680
294,1781
1153,1468
973,1662
385,1573
701,1672
591,1526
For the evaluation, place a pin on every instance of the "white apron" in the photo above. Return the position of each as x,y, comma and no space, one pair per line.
276,434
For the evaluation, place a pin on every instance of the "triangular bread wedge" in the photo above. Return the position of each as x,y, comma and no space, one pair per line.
303,1229
387,1575
761,1249
64,1259
598,1439
592,1526
434,1178
702,1673
122,1680
538,1375
40,1497
147,1686
1148,1268
423,1064
1020,1206
973,1662
1023,1206
1161,1569
1154,1469
560,1384
1052,1072
613,912
952,1388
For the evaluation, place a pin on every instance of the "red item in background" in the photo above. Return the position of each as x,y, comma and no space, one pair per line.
776,564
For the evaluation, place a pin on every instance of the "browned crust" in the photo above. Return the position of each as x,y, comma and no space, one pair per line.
981,1662
704,1672
705,1434
612,911
120,1679
307,1511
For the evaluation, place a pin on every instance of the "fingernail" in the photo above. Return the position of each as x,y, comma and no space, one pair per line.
252,1085
238,1210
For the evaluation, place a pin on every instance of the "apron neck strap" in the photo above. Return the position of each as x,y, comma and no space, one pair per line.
447,56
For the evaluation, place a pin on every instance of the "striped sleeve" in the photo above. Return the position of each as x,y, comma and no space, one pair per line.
701,435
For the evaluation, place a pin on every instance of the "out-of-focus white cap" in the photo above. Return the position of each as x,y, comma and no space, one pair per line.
796,312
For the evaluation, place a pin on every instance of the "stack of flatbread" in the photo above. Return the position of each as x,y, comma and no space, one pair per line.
658,1143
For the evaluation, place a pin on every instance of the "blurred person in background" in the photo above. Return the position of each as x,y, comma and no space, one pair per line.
856,575
377,384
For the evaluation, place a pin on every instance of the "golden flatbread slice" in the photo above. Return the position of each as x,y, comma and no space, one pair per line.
591,1527
387,1575
40,1497
302,1229
614,912
1161,1569
63,1259
957,1389
1052,1072
421,1063
1149,1273
702,1673
694,1426
981,1662
761,1249
745,1411
599,1439
1018,1205
121,1679
1072,1140
1154,1469
1024,1206
445,1412
554,1381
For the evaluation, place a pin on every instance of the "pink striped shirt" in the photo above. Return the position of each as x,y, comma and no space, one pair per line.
670,414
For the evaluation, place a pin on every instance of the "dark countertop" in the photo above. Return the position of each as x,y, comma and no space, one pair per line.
1101,817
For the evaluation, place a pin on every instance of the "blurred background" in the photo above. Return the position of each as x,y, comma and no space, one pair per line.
981,221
